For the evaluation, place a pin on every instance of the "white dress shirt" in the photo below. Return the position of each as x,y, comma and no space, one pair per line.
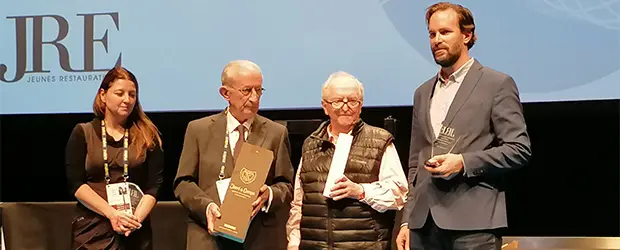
444,93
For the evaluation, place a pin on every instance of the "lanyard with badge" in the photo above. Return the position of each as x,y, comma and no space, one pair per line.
223,183
123,196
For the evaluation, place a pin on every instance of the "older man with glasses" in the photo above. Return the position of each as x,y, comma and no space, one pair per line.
206,159
359,212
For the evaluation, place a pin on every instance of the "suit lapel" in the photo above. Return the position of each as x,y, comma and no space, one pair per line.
258,132
218,130
467,86
426,106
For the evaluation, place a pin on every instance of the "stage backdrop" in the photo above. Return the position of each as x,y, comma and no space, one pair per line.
54,53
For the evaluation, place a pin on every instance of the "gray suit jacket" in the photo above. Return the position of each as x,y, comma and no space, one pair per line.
487,113
199,167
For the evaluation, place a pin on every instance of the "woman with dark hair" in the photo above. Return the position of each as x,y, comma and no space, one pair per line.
119,147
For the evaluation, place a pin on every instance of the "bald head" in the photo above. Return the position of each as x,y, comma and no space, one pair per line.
239,68
242,87
341,79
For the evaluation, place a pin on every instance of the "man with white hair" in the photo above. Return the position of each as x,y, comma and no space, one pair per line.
359,213
205,159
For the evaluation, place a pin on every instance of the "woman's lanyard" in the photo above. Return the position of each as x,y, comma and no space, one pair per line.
105,153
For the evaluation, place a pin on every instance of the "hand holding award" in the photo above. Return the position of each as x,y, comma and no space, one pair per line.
443,163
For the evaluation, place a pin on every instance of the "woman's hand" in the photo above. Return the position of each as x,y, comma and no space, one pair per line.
123,223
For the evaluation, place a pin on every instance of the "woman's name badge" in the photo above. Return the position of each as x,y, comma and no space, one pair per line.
118,197
124,196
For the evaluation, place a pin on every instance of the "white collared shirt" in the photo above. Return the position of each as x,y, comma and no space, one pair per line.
233,133
444,93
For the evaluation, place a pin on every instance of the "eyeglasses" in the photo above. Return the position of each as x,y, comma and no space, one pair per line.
340,103
248,91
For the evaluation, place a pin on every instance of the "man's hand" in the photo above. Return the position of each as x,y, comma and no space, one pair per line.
263,196
213,212
345,188
402,240
445,165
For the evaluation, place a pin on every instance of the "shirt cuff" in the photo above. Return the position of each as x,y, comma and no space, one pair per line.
464,167
268,204
212,203
367,187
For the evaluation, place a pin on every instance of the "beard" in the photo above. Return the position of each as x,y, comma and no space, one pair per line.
447,60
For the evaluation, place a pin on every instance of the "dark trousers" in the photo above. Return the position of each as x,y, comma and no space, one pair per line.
431,237
226,244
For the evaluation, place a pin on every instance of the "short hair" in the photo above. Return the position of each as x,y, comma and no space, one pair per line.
466,18
238,67
338,75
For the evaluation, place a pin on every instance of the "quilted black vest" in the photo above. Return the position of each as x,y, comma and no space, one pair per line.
347,223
